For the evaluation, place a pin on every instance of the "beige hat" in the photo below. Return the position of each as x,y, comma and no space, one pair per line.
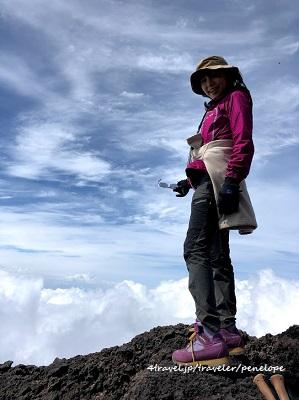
209,63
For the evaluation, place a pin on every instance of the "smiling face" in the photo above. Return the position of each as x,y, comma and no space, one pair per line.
214,83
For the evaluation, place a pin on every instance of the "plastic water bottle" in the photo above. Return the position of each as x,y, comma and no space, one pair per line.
166,185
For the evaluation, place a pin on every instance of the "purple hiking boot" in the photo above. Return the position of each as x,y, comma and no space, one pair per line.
233,339
202,350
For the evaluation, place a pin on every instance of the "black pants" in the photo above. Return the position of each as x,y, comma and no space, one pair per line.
206,252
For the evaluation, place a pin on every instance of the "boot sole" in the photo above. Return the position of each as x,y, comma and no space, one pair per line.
212,362
236,351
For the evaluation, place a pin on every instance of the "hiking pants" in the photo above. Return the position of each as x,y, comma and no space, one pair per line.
206,252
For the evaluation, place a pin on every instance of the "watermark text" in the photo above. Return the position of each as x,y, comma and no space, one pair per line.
186,369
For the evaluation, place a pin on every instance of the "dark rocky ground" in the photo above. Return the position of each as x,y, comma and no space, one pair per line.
120,373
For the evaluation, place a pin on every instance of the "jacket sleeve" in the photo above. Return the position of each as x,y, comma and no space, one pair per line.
240,117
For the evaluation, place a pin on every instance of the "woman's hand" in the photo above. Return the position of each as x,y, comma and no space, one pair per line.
182,188
229,195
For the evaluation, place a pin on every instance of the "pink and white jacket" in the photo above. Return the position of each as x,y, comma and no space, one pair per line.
229,118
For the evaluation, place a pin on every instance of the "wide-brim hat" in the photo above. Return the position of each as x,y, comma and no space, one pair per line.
209,63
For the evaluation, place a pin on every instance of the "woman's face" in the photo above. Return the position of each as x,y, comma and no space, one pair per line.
214,84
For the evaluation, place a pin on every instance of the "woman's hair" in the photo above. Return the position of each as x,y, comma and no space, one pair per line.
235,80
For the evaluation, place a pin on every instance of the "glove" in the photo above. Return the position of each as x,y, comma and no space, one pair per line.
182,188
229,195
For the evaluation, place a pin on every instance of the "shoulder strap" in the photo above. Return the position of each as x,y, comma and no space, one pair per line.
207,108
199,126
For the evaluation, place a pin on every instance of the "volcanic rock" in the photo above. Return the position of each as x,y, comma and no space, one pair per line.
141,370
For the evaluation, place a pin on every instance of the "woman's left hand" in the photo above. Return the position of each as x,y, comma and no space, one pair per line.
229,197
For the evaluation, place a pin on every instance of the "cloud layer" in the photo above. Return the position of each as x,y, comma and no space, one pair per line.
39,324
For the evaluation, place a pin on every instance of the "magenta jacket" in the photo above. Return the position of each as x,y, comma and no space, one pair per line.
230,118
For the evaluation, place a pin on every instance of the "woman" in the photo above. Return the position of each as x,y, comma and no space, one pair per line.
220,202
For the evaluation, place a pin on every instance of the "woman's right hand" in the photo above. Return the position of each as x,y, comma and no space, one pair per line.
182,188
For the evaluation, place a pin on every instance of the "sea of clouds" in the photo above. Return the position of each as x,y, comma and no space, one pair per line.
38,324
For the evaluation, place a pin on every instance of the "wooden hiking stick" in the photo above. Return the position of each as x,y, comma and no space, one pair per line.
263,387
278,383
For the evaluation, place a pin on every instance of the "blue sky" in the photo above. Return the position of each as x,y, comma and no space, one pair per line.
95,107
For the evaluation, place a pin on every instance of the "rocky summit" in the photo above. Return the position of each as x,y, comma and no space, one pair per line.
142,370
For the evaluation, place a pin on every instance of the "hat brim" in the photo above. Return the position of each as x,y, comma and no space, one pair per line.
196,76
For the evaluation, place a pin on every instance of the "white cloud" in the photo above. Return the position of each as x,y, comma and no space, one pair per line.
276,117
43,149
175,63
132,95
84,278
267,304
129,194
39,324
